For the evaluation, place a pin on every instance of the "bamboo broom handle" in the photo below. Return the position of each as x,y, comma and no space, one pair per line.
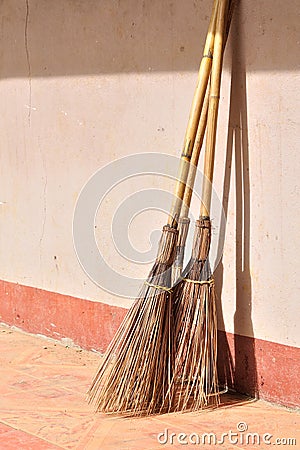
184,219
213,110
195,157
201,132
203,76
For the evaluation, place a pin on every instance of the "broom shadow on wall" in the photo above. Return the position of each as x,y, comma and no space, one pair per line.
237,364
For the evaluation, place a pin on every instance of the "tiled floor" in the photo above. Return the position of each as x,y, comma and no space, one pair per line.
42,406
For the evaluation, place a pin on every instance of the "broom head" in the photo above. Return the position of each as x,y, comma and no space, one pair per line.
135,375
194,382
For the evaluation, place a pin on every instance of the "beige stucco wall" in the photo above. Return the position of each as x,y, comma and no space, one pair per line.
86,82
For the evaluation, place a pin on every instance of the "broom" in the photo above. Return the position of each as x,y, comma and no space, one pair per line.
195,369
135,374
184,221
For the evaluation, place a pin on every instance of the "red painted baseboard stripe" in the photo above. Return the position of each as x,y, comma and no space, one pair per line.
89,324
251,366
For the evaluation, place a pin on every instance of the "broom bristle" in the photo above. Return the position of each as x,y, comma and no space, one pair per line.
194,383
135,375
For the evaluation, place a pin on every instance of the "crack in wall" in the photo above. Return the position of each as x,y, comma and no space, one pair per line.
44,202
45,214
28,57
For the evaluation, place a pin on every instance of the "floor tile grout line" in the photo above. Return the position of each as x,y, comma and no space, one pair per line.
95,426
194,413
42,379
45,410
8,425
86,439
51,365
37,390
31,434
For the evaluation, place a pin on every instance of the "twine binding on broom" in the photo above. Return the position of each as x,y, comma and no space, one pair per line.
188,280
156,286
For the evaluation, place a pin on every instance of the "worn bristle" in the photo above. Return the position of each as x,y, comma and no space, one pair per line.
194,383
134,377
